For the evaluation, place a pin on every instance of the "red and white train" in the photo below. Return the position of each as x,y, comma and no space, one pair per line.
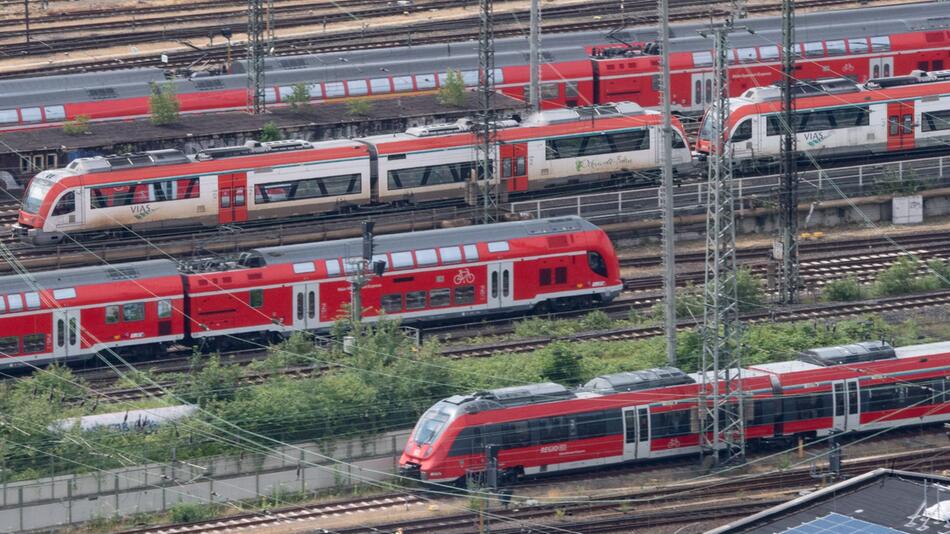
430,275
837,118
166,189
579,69
547,428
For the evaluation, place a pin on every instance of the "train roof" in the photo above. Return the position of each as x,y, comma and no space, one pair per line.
638,380
422,239
85,276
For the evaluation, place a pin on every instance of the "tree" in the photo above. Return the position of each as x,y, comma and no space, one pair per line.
163,104
452,91
300,98
561,364
270,132
77,126
359,108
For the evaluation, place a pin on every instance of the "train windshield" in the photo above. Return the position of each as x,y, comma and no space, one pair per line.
433,422
35,194
705,131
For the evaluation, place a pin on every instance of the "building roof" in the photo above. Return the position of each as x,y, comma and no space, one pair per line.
883,501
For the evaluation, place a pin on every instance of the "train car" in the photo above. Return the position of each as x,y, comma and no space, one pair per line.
75,313
165,189
624,417
837,118
231,185
430,275
578,68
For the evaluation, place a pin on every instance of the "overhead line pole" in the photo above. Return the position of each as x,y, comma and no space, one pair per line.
666,191
789,284
534,95
255,57
486,89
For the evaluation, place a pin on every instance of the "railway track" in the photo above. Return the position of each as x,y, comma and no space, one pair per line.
619,511
601,15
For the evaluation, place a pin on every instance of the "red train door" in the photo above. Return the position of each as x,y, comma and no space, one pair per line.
232,197
514,166
900,125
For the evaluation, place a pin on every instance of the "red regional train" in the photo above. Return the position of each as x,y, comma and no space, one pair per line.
836,118
270,292
576,73
547,428
166,189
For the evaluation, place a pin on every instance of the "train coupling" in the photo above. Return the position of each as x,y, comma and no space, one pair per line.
410,470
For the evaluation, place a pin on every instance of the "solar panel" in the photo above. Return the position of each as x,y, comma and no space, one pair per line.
839,524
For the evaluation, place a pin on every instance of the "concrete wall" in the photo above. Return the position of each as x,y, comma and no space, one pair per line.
50,503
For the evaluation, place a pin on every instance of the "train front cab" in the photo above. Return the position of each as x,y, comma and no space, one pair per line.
43,220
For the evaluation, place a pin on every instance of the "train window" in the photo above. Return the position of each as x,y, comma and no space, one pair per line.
596,263
300,306
133,312
590,145
881,43
892,125
814,49
326,186
73,330
858,46
31,115
15,302
380,86
471,252
570,90
463,295
698,99
851,116
814,121
165,307
630,422
773,125
426,257
450,255
356,87
34,343
806,406
544,277
415,300
256,300
678,141
304,267
835,48
936,64
311,304
494,285
743,132
709,89
66,204
506,168
439,298
702,59
402,260
334,89
9,345
64,293
401,84
550,91
505,283
560,275
391,303
60,332
425,81
112,314
669,424
935,120
333,267
315,90
32,300
3,304
768,53
449,173
908,124
226,198
54,113
747,55
520,166
469,441
8,116
498,246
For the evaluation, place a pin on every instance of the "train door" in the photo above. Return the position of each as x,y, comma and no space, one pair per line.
232,197
636,432
306,306
514,166
68,212
900,125
66,333
846,402
881,67
702,89
501,284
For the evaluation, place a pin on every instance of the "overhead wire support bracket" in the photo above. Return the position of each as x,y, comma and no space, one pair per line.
487,130
789,281
255,57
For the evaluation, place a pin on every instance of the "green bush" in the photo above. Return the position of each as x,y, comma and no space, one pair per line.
561,364
190,512
452,91
359,108
300,98
77,126
903,277
270,132
596,320
163,104
842,290
749,290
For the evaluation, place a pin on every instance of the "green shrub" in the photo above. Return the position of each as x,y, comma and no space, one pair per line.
561,364
163,104
190,512
843,290
749,290
300,98
271,132
77,126
596,320
359,108
452,91
903,277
